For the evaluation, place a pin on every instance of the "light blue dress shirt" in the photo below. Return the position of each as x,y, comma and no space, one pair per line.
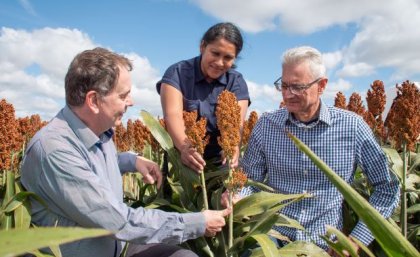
78,175
342,140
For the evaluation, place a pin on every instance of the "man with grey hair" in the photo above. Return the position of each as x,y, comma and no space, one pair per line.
72,164
339,137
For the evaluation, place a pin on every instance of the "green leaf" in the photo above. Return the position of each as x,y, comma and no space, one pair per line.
395,161
285,221
7,218
413,209
261,227
302,248
260,202
267,245
22,214
189,178
343,242
259,185
390,239
18,241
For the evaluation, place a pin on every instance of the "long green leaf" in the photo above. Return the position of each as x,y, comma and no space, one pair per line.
261,227
165,141
395,160
22,214
302,248
259,202
18,241
7,218
390,239
259,185
343,242
268,247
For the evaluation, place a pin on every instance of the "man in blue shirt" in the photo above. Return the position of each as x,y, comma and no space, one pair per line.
339,137
73,165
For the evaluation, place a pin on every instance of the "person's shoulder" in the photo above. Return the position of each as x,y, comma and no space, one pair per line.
275,116
56,135
342,116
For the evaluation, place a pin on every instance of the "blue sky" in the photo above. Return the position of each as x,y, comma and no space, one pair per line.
361,41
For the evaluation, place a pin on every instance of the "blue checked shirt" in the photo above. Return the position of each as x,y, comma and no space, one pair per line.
342,140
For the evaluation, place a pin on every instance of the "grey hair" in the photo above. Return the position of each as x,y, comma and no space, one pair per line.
308,54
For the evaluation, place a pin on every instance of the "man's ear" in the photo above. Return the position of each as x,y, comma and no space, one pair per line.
92,101
322,85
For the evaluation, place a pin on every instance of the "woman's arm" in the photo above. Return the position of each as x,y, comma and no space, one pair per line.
172,106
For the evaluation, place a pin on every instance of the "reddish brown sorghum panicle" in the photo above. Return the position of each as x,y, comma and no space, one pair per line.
376,100
356,104
403,120
249,126
9,136
152,141
119,138
340,101
238,180
28,126
228,115
129,135
140,136
196,131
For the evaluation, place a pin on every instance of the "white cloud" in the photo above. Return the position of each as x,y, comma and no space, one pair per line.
356,70
332,59
387,32
52,50
334,87
263,97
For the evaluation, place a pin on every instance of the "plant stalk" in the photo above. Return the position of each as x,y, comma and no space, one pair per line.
230,242
204,189
403,213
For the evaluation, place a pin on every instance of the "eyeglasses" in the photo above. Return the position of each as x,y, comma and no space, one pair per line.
296,89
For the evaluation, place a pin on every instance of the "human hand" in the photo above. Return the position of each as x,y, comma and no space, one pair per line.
215,221
224,200
150,171
191,158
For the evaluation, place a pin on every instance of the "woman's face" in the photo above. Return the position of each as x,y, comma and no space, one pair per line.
217,58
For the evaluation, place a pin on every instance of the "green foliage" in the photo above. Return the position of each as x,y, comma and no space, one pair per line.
253,216
16,235
19,241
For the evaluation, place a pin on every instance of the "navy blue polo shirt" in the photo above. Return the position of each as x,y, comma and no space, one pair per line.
200,95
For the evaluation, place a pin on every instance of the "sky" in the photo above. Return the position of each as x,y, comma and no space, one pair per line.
361,41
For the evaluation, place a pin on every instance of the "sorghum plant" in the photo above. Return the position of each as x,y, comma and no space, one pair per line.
340,101
9,136
376,100
196,133
228,115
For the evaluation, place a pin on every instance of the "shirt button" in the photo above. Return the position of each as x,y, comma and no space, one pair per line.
305,172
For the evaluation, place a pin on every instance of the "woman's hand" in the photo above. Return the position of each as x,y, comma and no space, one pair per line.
191,158
150,171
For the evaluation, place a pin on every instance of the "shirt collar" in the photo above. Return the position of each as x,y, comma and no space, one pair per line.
324,116
199,74
83,132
